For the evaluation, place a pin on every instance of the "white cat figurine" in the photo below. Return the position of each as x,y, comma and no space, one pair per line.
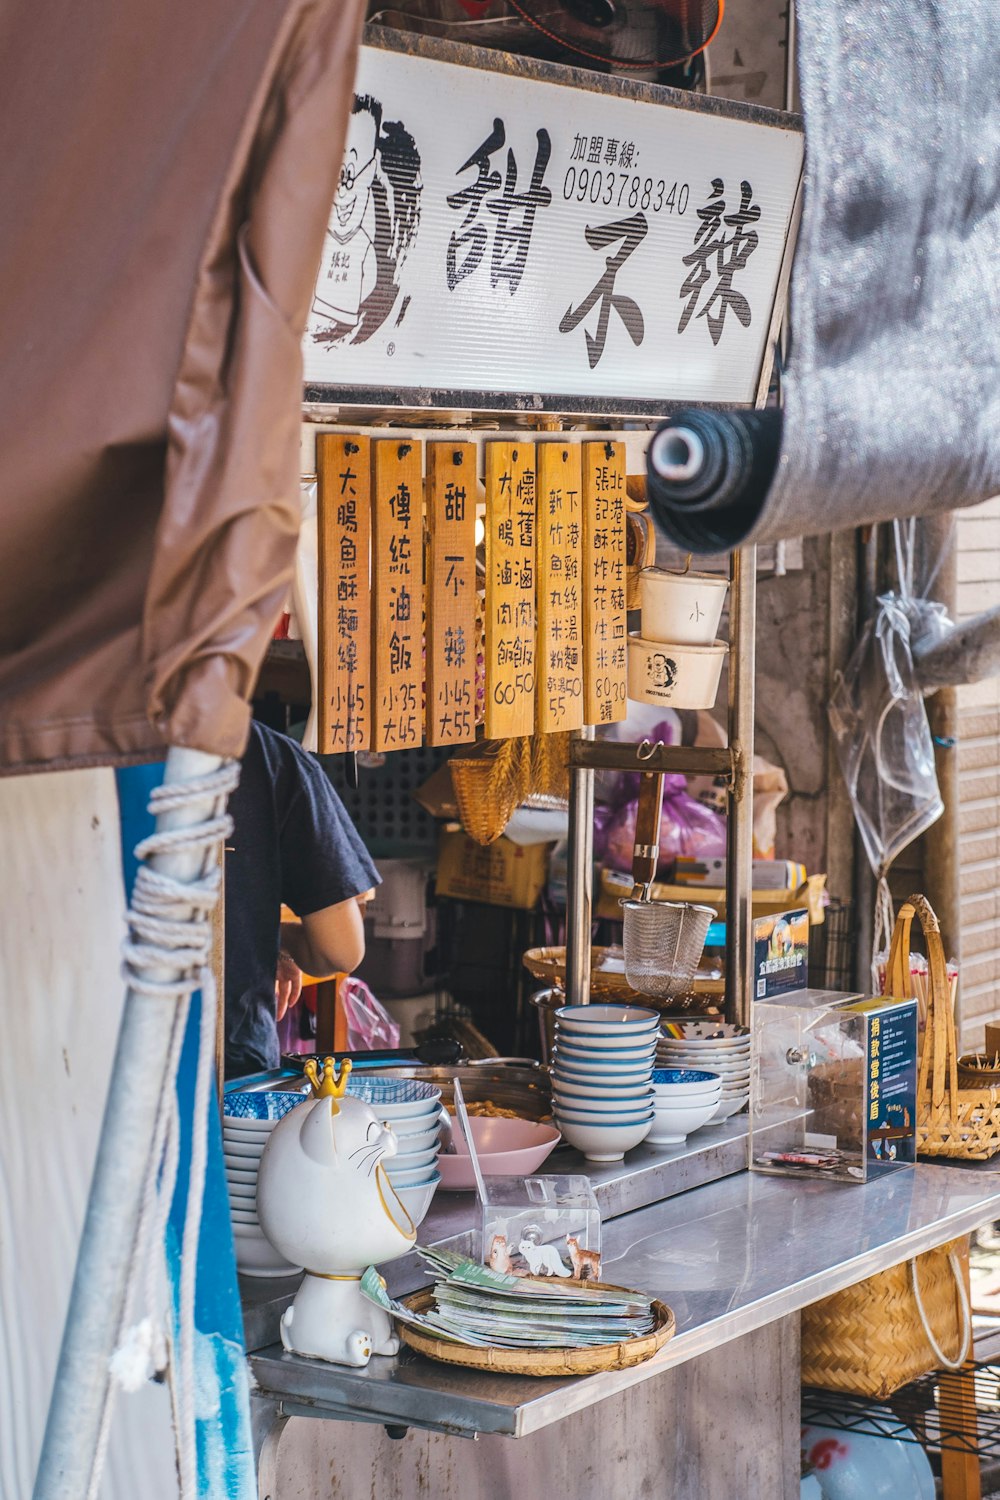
543,1260
325,1203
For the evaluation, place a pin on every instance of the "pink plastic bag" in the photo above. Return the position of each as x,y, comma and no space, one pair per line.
370,1028
686,827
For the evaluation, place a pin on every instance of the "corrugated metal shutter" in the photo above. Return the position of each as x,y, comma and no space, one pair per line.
979,782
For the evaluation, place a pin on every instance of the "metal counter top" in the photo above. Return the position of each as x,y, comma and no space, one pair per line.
727,1258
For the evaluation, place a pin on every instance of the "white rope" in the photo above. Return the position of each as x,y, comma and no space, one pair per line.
170,934
963,1298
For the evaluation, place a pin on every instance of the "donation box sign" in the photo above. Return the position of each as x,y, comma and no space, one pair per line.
515,241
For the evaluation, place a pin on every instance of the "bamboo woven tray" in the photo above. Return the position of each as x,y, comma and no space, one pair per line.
607,971
540,1361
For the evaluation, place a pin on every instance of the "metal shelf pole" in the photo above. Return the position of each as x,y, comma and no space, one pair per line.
739,846
579,878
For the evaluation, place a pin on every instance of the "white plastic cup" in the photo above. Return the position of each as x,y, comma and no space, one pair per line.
682,608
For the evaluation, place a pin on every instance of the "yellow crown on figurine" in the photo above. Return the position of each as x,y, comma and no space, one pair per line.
326,1082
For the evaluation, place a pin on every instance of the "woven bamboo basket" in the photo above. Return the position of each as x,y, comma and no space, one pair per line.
951,1120
874,1337
540,1361
490,782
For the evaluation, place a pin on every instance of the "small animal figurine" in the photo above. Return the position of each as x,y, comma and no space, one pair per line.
499,1256
586,1263
543,1260
325,1203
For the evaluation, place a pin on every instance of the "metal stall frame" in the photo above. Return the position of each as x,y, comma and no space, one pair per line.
735,761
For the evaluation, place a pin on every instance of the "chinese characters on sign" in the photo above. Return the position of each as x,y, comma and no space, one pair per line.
514,212
604,582
397,594
510,589
628,234
451,593
729,254
344,522
560,603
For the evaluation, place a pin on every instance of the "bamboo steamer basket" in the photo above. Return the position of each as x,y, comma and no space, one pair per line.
871,1338
540,1361
951,1120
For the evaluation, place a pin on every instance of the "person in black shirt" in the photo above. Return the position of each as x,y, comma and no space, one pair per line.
292,844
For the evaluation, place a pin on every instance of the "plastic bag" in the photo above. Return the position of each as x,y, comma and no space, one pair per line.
370,1028
686,827
883,739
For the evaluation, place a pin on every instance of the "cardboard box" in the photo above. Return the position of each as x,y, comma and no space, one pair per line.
500,874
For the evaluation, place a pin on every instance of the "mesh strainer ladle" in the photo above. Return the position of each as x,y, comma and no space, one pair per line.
663,940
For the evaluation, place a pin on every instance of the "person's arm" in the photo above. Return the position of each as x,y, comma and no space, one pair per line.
330,941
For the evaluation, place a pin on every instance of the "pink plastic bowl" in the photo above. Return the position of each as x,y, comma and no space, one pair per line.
506,1148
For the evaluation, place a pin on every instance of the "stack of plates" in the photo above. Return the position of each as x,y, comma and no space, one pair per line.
717,1047
411,1110
247,1123
602,1064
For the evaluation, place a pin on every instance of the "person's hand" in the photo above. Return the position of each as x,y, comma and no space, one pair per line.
364,899
287,985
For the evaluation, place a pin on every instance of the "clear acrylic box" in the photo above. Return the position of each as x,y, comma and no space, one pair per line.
833,1085
541,1226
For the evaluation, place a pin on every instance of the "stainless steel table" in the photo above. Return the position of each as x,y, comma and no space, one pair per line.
729,1258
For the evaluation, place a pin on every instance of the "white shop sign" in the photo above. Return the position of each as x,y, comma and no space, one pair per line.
498,239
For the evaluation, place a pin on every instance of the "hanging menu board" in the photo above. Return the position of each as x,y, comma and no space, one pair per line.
559,701
510,589
604,583
451,593
344,644
397,594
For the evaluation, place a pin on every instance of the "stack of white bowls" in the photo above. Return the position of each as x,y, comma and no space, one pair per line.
247,1122
717,1047
684,1099
674,657
411,1109
602,1062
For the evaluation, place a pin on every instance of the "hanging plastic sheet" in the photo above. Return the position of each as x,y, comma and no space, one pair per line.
892,396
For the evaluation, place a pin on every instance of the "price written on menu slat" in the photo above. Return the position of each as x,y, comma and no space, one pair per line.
604,583
344,645
451,593
397,594
559,701
510,589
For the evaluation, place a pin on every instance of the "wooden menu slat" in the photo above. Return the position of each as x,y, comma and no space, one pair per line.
344,708
559,700
397,593
451,593
510,589
604,581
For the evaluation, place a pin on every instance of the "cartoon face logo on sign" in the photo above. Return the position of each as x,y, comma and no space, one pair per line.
373,222
661,671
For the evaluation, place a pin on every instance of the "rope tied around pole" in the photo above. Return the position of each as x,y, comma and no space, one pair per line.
167,956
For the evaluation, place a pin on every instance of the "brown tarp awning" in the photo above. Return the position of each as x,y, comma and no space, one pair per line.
165,180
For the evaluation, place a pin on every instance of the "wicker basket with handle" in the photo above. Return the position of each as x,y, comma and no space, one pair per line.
878,1335
951,1120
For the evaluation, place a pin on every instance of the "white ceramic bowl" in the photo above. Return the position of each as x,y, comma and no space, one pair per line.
682,607
678,675
593,1104
678,1082
585,1116
604,1141
240,1196
613,1057
246,1130
244,1216
611,1064
256,1256
607,1020
405,1161
713,1063
412,1176
416,1144
596,1088
417,1200
728,1107
720,1032
673,1123
626,1079
394,1100
246,1174
605,1042
251,1151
